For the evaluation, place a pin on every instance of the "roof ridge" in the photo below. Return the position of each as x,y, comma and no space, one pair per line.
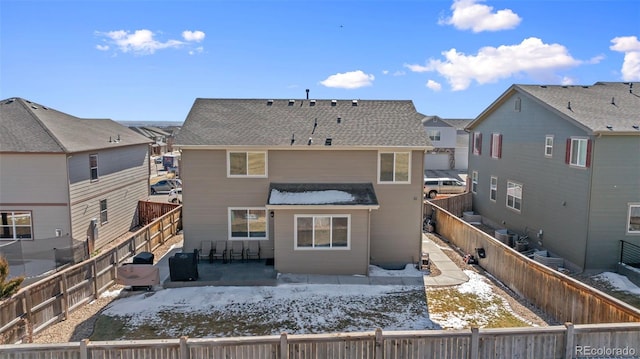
46,129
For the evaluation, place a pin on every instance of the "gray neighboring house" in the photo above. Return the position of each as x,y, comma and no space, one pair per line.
562,163
162,139
67,185
325,186
450,143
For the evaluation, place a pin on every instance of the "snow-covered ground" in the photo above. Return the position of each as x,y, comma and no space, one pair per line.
618,282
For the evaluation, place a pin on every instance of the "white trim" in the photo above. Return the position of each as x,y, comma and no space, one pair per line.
248,238
474,182
628,231
395,153
546,145
313,216
91,179
106,211
579,154
492,189
247,152
14,226
514,184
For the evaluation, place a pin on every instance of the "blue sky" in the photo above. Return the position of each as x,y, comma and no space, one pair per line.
149,60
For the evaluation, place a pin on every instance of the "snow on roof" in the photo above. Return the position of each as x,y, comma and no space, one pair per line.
310,197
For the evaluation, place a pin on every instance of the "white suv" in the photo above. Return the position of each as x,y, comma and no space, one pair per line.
434,186
175,195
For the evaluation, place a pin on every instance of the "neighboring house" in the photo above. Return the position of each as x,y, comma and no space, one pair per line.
67,185
561,163
450,143
159,137
325,186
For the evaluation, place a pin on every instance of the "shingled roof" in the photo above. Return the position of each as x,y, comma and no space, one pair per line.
291,123
26,126
605,107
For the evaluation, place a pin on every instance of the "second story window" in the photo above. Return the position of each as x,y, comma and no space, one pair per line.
496,145
493,189
104,218
477,143
93,166
394,167
246,164
578,152
434,135
474,181
548,146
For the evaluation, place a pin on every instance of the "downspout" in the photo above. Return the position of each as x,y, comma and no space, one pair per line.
69,203
590,168
368,242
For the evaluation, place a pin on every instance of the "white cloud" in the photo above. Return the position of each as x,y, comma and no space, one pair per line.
630,46
349,80
491,64
102,47
435,86
567,81
469,14
385,72
197,50
195,36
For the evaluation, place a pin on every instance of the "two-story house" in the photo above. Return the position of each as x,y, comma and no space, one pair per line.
68,185
450,143
325,186
561,164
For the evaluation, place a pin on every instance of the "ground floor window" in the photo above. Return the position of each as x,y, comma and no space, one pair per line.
322,231
104,218
514,195
247,223
15,225
633,219
493,190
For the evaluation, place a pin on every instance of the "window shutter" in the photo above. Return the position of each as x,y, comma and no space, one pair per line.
500,146
491,146
480,143
588,159
567,155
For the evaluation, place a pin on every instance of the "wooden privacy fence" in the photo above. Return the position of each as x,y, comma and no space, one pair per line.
52,299
557,294
566,341
456,204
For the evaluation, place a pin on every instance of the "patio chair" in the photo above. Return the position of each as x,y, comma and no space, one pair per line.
206,251
253,250
220,251
237,250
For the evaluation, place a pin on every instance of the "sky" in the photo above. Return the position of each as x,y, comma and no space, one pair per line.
147,61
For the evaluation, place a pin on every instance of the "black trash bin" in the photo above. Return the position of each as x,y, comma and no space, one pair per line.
143,258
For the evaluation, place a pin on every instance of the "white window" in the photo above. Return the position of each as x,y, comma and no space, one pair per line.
493,189
322,231
578,152
496,145
633,219
477,143
474,181
104,218
514,196
247,223
93,167
434,135
394,167
15,225
548,146
246,164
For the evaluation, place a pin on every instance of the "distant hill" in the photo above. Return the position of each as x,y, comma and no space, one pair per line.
159,124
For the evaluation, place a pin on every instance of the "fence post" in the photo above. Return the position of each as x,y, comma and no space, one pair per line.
569,340
284,346
94,269
83,349
65,295
184,349
475,343
379,348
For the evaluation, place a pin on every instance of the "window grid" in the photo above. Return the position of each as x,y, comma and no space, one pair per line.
318,232
548,146
474,181
15,225
104,218
493,189
514,196
434,135
93,167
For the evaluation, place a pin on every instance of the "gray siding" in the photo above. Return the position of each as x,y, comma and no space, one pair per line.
123,181
555,195
616,183
395,228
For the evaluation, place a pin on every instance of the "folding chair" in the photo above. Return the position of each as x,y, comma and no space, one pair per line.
206,251
220,251
253,250
237,250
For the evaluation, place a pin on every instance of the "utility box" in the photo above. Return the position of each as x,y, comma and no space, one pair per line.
143,258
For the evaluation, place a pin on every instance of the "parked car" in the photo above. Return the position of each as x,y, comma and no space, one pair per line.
166,185
158,160
175,195
434,186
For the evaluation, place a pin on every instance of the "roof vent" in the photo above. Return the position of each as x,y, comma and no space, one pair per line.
334,102
291,102
354,102
269,102
339,120
34,107
293,138
327,141
613,100
636,127
569,105
9,101
609,127
312,102
310,141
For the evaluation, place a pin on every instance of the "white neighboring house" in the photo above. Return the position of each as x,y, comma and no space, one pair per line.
68,186
450,142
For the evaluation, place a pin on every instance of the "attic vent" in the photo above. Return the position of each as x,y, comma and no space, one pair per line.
312,103
291,102
609,127
354,102
269,102
327,141
334,102
34,107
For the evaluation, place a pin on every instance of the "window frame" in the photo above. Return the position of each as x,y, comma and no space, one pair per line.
476,146
247,167
548,147
583,155
493,189
395,156
104,212
313,247
434,135
14,225
515,185
93,178
230,235
496,145
474,182
629,230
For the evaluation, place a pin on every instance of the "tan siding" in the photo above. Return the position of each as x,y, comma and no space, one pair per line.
33,178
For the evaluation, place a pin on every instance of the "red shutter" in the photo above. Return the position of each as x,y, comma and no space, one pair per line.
500,146
567,155
480,143
588,160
